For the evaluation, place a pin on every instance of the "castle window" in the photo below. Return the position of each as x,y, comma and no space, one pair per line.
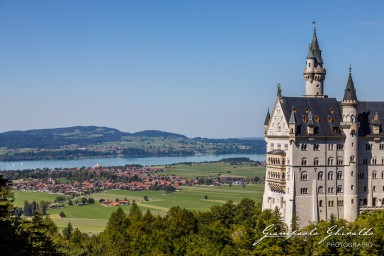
304,190
339,175
374,175
339,161
365,201
330,203
374,188
304,176
382,161
316,161
330,176
304,147
330,190
330,147
352,159
320,190
320,176
365,188
330,161
381,146
361,175
382,174
304,161
340,147
321,203
316,147
368,146
272,146
340,202
374,161
286,147
352,173
365,161
278,146
352,201
339,189
352,187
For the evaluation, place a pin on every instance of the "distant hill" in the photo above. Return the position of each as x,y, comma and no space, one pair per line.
79,135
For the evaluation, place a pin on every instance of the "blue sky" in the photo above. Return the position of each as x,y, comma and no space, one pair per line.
199,68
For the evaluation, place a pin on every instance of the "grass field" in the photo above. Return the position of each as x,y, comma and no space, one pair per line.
92,218
213,169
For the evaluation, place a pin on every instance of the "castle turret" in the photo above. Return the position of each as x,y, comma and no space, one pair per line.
314,73
349,125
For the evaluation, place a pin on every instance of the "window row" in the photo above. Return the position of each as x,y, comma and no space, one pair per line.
320,175
330,161
320,189
278,146
373,161
316,147
331,203
374,175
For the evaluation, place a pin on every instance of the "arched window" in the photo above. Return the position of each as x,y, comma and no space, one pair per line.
320,190
330,176
330,189
339,161
374,175
316,161
320,175
352,187
321,203
352,159
339,189
339,175
304,176
330,161
304,161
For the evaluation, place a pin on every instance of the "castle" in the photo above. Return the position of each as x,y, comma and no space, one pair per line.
324,156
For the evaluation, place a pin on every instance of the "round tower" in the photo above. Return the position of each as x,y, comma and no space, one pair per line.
314,73
350,127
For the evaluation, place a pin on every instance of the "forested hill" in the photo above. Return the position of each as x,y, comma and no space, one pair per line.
93,141
79,135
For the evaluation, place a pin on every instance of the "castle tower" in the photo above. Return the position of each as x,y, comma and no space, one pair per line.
349,125
314,73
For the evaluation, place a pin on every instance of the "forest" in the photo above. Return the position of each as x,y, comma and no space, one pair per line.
228,229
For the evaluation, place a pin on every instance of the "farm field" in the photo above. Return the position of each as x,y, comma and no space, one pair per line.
93,218
214,169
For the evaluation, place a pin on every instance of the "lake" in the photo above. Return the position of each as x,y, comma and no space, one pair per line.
119,161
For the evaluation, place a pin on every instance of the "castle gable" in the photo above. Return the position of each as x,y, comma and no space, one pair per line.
278,124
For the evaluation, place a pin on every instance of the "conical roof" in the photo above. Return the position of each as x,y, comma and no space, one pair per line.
292,119
267,118
316,49
350,91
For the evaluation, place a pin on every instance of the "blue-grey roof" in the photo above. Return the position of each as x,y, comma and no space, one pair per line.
325,112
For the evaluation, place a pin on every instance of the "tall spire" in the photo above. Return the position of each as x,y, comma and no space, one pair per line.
314,73
350,91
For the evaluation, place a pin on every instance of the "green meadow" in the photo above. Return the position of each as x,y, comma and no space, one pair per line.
215,169
92,218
